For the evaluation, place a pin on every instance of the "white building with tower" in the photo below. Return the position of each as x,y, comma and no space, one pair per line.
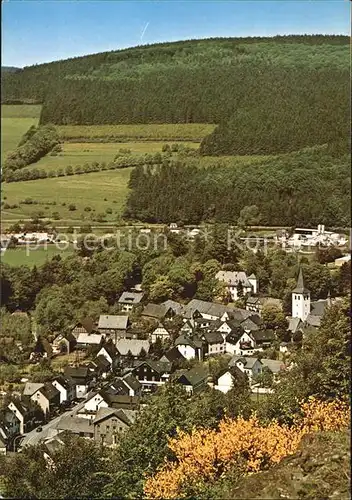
300,299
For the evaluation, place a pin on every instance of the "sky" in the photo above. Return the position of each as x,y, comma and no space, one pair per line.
41,31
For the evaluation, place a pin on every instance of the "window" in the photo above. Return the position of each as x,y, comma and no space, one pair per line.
108,427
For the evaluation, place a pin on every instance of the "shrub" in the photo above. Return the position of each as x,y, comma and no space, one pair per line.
108,210
72,207
56,216
88,209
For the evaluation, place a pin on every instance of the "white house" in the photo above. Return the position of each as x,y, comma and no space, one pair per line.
238,343
250,366
66,388
109,351
161,333
189,348
234,279
225,380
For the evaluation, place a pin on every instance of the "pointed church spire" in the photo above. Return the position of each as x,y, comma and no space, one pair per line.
300,288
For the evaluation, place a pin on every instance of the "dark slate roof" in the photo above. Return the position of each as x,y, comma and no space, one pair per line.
194,376
235,372
66,382
104,413
76,372
175,306
101,362
132,381
318,308
110,349
154,310
131,298
300,288
87,323
252,300
117,387
264,336
249,324
171,355
213,338
159,366
49,391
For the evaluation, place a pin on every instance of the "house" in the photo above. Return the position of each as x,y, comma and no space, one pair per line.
187,328
214,342
47,397
86,340
27,414
100,366
152,373
227,379
133,384
129,300
211,310
106,399
158,311
9,427
109,424
193,380
64,343
82,427
263,339
273,365
31,387
250,366
189,348
256,304
113,326
237,283
161,333
109,351
82,378
66,387
172,356
240,343
42,349
133,346
174,308
86,325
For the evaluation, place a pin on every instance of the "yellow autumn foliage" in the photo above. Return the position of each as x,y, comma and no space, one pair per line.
207,453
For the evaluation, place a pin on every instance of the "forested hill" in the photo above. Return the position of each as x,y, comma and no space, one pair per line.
267,94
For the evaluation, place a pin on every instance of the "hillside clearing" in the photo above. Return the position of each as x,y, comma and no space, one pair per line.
98,190
15,121
34,257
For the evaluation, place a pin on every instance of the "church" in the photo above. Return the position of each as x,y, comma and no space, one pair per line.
304,312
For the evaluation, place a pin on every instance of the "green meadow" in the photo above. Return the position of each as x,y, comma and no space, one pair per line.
33,256
15,121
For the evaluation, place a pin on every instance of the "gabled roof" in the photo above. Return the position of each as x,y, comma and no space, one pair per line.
45,344
294,324
117,387
133,345
233,370
160,367
76,372
101,362
247,361
87,323
175,306
193,377
313,320
232,278
300,288
49,391
183,339
274,365
249,324
213,338
171,355
131,298
110,348
90,339
104,413
263,336
132,382
157,311
318,307
112,322
30,388
251,300
66,382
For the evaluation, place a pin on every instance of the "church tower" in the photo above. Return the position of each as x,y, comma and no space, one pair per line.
300,299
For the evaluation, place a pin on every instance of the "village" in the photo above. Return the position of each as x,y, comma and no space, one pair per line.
119,362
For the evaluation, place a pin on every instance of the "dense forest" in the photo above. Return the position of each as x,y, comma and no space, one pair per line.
308,187
267,94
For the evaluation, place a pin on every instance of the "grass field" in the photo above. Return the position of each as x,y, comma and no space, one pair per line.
78,153
33,257
15,121
98,190
161,132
